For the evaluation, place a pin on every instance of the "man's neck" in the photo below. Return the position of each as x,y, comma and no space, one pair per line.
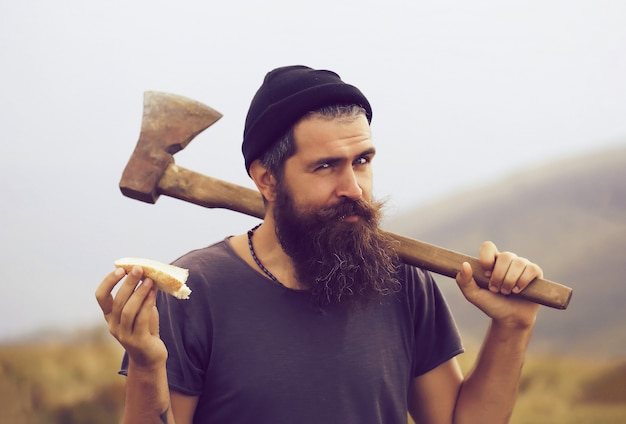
269,253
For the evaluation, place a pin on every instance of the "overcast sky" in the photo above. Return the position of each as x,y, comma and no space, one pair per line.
463,93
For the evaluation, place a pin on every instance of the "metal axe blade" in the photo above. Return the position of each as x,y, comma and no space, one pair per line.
169,123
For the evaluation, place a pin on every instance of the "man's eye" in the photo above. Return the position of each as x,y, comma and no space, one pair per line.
361,161
323,166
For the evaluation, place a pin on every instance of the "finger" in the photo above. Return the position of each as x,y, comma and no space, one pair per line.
465,280
487,255
531,272
144,323
105,288
133,306
513,274
500,269
126,290
464,276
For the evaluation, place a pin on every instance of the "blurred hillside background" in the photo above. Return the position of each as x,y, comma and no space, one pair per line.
570,217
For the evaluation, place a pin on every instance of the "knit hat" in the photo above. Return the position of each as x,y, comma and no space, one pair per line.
286,95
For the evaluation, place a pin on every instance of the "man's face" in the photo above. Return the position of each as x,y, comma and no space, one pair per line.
332,162
325,218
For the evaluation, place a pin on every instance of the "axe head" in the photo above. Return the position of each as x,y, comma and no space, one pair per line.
169,123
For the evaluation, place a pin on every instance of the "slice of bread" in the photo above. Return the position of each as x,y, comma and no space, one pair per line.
169,278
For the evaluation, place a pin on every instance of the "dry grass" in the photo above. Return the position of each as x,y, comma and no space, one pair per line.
61,382
76,382
558,390
573,391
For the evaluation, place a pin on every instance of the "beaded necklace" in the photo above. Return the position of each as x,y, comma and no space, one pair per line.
258,262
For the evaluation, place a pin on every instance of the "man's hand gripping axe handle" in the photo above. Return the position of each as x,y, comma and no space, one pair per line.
170,122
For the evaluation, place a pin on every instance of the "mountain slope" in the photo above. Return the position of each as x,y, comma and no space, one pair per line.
570,217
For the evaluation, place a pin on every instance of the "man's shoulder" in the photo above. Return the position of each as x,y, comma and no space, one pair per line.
212,269
218,257
418,285
218,261
415,278
217,250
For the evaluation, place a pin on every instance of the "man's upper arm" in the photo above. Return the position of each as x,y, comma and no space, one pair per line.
183,407
432,396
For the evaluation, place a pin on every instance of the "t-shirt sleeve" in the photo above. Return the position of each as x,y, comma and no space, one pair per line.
436,336
186,329
187,356
185,326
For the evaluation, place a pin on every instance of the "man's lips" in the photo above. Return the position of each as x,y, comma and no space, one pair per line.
349,218
347,211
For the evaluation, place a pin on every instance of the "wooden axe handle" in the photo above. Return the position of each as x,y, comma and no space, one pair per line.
210,192
448,262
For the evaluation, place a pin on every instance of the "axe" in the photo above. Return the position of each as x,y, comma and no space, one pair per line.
170,122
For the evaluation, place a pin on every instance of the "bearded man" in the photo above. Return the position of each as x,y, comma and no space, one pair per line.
310,317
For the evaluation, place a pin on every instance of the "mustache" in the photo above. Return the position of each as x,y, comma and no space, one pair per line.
348,207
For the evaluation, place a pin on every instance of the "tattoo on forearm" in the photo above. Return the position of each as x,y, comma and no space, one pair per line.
163,416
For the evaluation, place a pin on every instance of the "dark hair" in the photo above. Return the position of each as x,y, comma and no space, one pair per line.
285,147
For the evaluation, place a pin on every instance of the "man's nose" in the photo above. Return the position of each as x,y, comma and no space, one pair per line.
348,185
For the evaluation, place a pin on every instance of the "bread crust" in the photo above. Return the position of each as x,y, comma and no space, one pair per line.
169,278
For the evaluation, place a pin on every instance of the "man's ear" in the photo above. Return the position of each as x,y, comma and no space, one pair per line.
264,180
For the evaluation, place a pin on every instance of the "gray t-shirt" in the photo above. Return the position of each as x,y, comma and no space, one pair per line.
256,351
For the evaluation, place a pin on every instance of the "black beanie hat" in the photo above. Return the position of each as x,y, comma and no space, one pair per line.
286,95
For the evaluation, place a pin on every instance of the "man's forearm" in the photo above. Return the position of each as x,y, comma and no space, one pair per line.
489,392
147,396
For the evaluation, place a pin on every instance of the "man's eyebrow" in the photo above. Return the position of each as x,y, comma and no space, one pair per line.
369,152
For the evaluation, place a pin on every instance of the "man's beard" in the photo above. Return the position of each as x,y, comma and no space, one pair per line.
337,260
